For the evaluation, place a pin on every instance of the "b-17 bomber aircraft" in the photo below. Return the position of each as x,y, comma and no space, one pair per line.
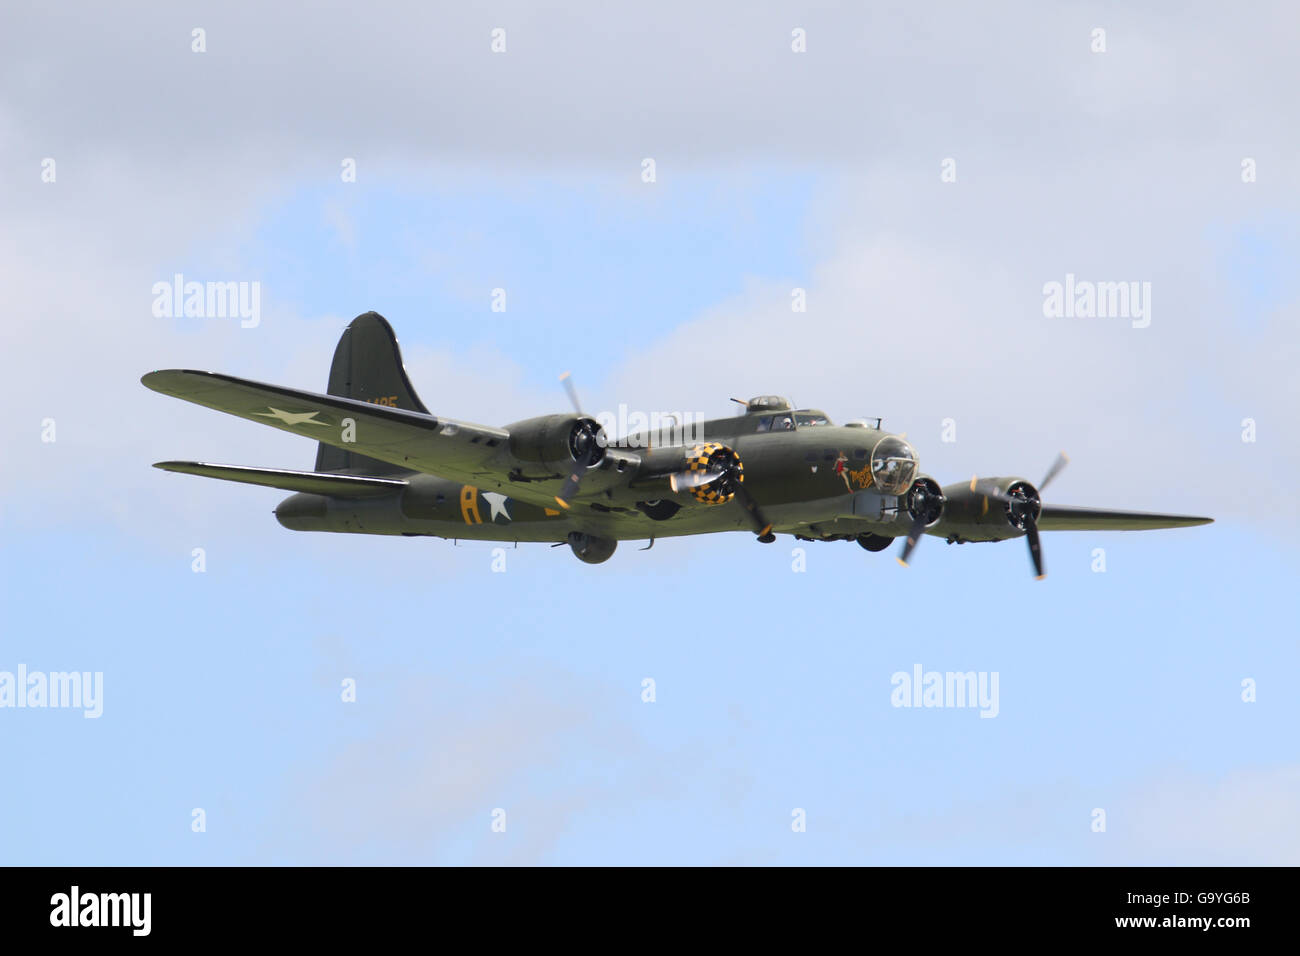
386,465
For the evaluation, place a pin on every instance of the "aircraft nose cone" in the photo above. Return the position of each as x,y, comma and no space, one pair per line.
893,465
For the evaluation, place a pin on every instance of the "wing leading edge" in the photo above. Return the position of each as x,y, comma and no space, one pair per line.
1068,518
310,482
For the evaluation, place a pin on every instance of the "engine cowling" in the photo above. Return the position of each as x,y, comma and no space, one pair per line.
990,509
926,501
553,443
713,472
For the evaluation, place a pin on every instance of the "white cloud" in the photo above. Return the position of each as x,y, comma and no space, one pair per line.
1250,816
924,303
420,784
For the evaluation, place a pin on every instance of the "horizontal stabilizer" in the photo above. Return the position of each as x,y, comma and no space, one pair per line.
310,482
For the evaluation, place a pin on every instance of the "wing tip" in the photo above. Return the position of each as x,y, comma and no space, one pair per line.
157,379
180,467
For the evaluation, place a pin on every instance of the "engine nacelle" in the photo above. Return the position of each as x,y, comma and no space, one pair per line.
922,499
710,472
552,443
724,467
994,509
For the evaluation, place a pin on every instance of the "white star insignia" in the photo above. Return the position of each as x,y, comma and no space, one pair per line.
497,502
290,418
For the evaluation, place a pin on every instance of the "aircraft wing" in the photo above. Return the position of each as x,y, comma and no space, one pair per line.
311,482
1067,518
452,449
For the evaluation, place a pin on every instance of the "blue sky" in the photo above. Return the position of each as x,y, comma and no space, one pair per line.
578,256
222,692
522,690
773,687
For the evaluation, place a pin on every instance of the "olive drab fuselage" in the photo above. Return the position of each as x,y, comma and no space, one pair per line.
387,465
819,474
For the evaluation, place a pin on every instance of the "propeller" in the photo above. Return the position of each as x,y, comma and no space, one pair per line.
725,468
567,380
686,480
1062,459
762,527
913,536
1035,549
586,442
925,502
1024,505
1031,515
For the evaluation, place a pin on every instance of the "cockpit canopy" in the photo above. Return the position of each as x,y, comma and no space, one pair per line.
783,421
810,416
893,465
778,416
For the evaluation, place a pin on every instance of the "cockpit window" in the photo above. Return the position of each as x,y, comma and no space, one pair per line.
893,465
803,420
764,424
783,423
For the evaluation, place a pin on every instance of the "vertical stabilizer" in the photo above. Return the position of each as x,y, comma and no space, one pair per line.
367,367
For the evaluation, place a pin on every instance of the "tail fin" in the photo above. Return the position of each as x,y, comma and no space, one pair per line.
368,367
